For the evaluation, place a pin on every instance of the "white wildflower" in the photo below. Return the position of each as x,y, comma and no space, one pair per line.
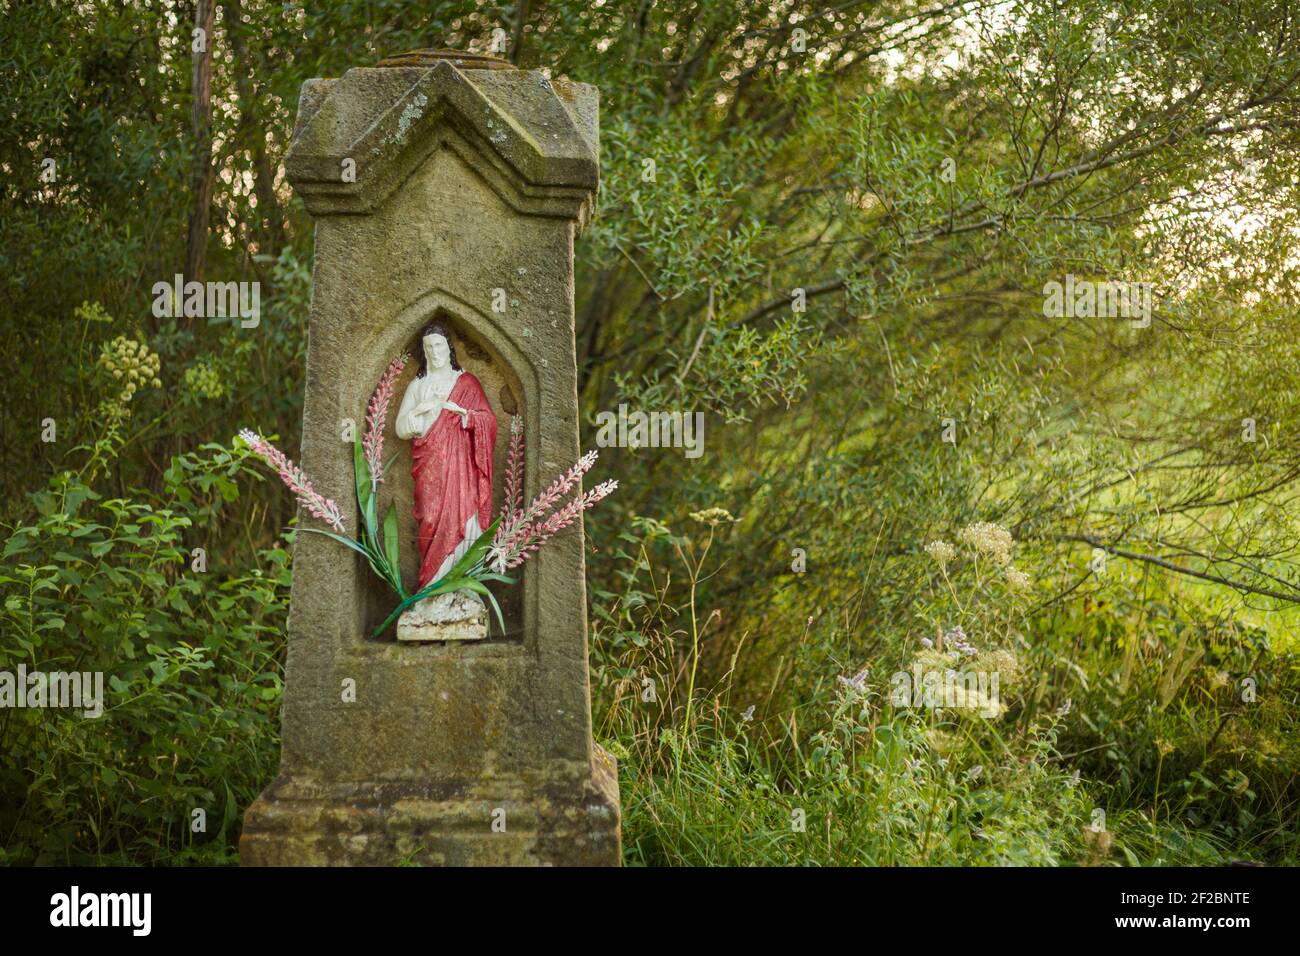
1017,578
941,551
712,516
988,538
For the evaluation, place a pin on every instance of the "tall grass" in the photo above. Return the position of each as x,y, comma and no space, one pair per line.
1104,752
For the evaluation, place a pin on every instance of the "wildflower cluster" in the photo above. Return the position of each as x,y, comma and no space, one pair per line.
712,516
956,640
977,689
857,683
91,312
202,381
986,537
132,364
941,551
1016,578
983,537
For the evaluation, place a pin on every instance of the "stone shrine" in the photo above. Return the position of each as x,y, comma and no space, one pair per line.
448,187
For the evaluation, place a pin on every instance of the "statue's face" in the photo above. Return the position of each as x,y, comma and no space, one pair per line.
436,350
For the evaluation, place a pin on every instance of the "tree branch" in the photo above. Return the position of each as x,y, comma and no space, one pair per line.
1293,596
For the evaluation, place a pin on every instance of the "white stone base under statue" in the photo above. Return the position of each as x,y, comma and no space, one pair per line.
458,616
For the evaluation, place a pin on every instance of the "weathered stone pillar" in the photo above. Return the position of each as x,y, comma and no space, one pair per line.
445,185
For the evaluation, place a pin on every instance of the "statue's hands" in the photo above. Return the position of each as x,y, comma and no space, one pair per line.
463,413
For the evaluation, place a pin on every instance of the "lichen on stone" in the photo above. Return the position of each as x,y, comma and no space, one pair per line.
413,111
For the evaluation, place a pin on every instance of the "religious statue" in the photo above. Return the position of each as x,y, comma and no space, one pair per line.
453,432
453,435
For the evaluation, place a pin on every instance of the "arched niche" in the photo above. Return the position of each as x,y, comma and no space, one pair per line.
487,352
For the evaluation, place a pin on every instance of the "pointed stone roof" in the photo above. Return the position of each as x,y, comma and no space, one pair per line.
532,139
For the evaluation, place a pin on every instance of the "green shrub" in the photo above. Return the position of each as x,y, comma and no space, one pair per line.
191,665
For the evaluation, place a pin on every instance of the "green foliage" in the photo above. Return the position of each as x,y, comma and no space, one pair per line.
190,663
1178,708
866,792
920,172
838,772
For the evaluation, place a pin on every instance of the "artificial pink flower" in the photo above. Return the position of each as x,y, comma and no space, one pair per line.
523,531
513,503
372,442
553,493
293,477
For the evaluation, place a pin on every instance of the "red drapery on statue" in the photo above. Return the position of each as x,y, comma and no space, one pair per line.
452,469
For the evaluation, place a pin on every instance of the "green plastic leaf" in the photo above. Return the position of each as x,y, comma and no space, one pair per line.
479,588
350,542
391,542
474,555
374,559
443,584
362,469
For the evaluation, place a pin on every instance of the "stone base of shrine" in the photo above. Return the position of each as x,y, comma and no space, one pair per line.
500,822
459,616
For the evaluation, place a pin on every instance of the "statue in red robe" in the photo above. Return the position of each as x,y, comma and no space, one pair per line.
453,431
